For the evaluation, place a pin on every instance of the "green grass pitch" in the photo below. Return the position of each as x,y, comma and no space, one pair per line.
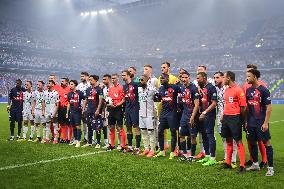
61,167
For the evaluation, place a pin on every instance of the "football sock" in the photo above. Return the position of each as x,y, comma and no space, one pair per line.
129,140
138,140
70,132
152,138
112,137
235,151
269,152
123,137
19,128
173,140
242,154
32,131
254,151
212,144
25,131
12,128
193,149
145,138
229,152
262,150
98,136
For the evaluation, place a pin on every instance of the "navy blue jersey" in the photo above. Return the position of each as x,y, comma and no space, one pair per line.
169,95
207,95
17,98
74,99
257,99
189,94
92,97
131,96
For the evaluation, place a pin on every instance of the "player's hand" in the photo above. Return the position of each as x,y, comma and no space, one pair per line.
33,113
202,117
43,113
191,121
8,109
66,116
222,118
264,127
97,113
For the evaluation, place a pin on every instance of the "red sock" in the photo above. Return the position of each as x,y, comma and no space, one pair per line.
249,148
63,132
123,137
229,152
70,132
262,150
52,129
242,154
112,137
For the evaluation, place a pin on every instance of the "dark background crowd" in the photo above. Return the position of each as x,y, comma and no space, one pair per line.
43,42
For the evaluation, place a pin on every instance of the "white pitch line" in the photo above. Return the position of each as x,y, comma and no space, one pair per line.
276,121
49,161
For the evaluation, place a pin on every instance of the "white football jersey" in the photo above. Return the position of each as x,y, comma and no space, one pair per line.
105,92
220,100
152,82
28,100
83,87
146,101
51,98
38,98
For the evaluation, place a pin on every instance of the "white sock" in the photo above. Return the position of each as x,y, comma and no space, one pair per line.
106,141
25,130
201,143
235,151
152,138
94,135
47,131
145,138
44,132
55,125
212,158
38,131
32,131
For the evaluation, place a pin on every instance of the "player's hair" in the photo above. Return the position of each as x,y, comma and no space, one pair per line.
30,82
74,81
168,64
127,72
85,73
133,68
255,72
52,75
95,77
107,75
182,70
202,74
51,81
65,78
115,74
231,75
145,76
148,66
253,66
185,72
219,72
18,80
202,66
40,81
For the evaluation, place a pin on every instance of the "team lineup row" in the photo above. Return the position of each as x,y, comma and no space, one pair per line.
150,107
